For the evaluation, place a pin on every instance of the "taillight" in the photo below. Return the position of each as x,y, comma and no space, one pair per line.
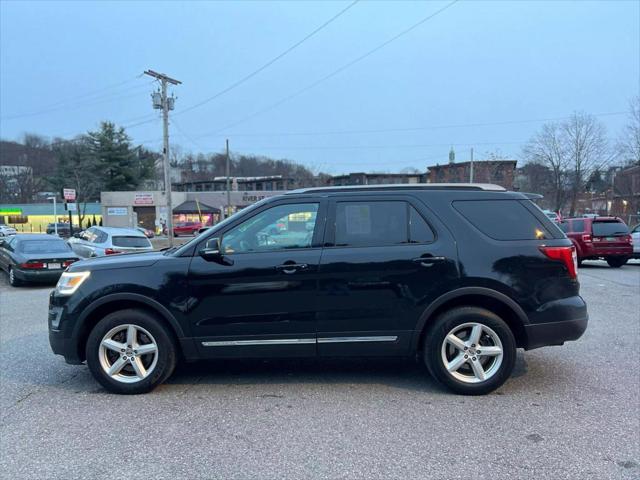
32,265
66,263
586,238
110,251
567,255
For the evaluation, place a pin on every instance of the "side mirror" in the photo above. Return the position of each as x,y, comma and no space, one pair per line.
1,241
212,252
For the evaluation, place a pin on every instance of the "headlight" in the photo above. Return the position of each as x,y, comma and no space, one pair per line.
70,281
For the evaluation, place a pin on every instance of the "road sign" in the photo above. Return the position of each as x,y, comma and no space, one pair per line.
69,194
72,207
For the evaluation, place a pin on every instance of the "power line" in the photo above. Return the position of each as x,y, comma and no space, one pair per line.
338,70
269,63
82,100
406,129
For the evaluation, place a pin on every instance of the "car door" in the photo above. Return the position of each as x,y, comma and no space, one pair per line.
384,261
259,298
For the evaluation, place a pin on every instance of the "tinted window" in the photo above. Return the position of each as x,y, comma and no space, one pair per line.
371,223
502,219
577,225
419,230
134,242
604,229
277,228
44,246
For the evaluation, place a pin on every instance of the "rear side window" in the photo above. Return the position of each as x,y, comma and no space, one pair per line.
502,219
564,226
360,224
577,225
419,230
134,242
610,229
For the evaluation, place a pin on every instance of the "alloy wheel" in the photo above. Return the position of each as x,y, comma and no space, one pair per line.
472,352
128,353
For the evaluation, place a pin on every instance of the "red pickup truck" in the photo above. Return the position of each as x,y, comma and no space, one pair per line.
600,237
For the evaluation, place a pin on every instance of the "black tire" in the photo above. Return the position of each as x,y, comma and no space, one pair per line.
448,321
580,262
166,351
13,281
616,262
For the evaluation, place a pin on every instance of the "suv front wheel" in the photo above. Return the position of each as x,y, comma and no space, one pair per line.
130,352
470,350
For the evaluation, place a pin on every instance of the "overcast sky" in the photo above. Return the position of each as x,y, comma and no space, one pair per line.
65,66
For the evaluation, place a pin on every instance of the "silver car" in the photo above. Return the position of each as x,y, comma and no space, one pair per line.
635,236
100,241
6,230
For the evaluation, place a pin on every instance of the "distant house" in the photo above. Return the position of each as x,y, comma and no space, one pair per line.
500,172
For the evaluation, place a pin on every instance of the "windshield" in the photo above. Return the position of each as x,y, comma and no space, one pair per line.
610,229
44,246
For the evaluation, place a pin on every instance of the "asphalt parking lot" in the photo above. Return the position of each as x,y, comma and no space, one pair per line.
568,412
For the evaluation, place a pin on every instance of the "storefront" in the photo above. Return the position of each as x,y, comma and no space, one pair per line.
34,217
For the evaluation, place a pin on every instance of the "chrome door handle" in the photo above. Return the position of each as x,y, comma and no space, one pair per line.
291,267
429,261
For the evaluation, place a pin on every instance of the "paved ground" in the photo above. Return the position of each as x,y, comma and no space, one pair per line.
568,412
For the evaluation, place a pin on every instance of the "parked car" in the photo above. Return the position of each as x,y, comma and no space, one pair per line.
34,258
63,229
456,276
186,228
6,230
551,215
101,241
146,232
635,235
606,238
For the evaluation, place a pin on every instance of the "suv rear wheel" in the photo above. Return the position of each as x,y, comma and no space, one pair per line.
470,350
130,352
616,262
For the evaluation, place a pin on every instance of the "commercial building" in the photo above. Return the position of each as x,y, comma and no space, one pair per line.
500,172
34,217
237,184
361,178
149,209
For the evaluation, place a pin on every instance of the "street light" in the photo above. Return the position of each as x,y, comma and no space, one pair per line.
55,215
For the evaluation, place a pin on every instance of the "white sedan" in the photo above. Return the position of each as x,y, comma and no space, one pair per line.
6,230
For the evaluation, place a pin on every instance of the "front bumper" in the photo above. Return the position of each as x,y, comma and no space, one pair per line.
60,338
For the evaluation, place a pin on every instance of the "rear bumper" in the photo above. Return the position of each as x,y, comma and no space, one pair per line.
555,333
595,252
44,276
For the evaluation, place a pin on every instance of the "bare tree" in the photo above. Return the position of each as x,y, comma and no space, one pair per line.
548,148
628,145
586,148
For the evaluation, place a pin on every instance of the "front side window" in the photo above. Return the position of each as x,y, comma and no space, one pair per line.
277,228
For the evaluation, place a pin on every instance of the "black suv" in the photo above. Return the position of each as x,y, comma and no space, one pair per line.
457,275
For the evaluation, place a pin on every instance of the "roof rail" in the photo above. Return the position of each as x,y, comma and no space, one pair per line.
403,186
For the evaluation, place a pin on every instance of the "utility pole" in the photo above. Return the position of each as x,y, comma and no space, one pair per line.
471,170
227,213
165,104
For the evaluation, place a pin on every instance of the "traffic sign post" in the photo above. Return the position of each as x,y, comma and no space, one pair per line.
69,195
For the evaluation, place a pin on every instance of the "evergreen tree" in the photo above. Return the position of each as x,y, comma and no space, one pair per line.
111,148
